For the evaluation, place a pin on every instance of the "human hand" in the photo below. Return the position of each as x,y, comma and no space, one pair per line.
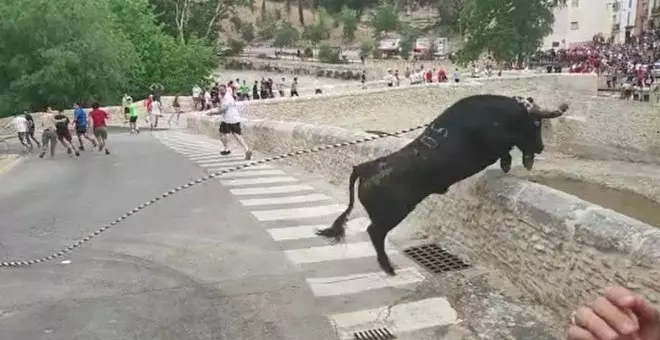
618,314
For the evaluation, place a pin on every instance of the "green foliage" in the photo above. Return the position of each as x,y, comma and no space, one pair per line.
367,47
266,27
408,37
286,35
308,52
247,32
234,47
510,30
328,55
184,18
112,47
349,23
385,19
319,30
359,6
236,22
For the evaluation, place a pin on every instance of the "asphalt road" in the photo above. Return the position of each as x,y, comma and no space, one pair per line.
193,266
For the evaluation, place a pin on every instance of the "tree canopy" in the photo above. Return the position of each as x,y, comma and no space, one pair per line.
54,53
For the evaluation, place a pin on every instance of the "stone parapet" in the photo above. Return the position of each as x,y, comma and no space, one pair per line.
557,247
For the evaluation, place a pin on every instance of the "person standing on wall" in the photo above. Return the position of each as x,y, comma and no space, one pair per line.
231,123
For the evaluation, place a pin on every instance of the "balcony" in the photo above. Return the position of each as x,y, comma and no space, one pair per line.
616,28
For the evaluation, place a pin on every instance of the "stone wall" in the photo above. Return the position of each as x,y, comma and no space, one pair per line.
556,247
595,127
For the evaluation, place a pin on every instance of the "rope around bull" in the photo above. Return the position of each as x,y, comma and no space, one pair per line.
69,249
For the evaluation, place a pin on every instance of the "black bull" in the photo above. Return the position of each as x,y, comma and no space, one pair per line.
465,139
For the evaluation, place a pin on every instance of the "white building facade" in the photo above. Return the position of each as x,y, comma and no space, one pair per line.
578,22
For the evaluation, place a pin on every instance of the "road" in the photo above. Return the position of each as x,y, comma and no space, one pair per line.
232,258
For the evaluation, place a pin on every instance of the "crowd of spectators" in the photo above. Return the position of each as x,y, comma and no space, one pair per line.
631,67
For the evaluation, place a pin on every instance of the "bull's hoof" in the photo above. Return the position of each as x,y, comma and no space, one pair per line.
387,268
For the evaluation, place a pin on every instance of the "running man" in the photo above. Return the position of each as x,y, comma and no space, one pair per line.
98,118
124,106
156,112
80,123
132,117
48,134
21,127
231,123
63,133
31,128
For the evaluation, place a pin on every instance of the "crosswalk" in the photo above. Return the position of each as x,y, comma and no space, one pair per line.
354,294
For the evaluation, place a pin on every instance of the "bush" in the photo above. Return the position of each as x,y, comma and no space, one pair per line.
308,52
286,35
235,47
328,55
367,47
247,32
267,27
349,22
236,22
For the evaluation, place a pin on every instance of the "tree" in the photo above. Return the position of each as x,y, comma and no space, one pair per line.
319,30
450,13
367,47
327,54
46,59
286,35
247,32
349,23
385,19
266,27
301,16
359,6
409,36
509,29
184,18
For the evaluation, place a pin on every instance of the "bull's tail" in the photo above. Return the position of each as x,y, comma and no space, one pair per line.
338,229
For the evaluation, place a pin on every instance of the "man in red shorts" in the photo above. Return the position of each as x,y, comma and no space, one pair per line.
98,118
63,133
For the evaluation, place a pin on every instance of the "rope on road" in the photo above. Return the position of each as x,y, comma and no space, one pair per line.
23,263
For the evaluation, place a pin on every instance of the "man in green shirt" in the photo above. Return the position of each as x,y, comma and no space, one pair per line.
244,91
132,116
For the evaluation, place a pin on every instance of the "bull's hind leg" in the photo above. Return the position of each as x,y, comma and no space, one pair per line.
377,235
505,162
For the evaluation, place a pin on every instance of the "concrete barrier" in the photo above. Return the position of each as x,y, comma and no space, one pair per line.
558,248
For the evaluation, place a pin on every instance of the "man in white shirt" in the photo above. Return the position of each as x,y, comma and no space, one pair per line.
231,122
197,96
49,133
21,126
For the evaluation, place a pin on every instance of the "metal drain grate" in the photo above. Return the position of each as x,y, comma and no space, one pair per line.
374,334
435,259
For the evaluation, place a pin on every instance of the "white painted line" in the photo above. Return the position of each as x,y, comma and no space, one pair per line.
333,252
353,227
285,200
255,173
351,284
250,168
271,190
296,213
262,180
401,318
221,159
222,164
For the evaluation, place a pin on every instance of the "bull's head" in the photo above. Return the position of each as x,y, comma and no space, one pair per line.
533,142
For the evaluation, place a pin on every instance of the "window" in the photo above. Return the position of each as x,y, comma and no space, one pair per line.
628,21
555,44
629,3
575,3
575,26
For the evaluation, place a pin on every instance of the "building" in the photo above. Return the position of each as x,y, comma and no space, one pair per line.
580,20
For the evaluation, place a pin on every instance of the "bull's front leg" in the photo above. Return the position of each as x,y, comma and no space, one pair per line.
505,162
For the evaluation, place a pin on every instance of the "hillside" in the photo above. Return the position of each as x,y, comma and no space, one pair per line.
419,18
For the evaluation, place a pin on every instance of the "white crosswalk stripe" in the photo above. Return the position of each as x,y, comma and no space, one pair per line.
291,212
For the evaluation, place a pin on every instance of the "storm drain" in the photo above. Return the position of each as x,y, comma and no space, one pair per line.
435,259
374,334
